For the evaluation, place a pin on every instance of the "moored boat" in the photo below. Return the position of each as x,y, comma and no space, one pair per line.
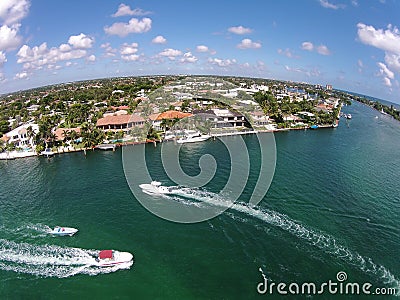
193,137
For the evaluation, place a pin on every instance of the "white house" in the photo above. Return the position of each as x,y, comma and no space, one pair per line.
20,135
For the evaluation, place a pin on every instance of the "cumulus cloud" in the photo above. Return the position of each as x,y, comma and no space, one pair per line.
393,61
21,75
222,62
127,49
387,40
131,57
108,50
170,53
314,72
159,39
188,57
3,58
385,71
81,41
202,48
13,11
39,56
91,58
287,52
133,26
323,50
307,46
240,30
248,44
9,38
125,10
327,4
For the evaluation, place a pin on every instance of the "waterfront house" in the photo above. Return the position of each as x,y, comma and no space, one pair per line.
23,136
120,122
157,119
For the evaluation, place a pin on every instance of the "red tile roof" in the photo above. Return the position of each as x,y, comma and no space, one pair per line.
118,120
172,114
59,133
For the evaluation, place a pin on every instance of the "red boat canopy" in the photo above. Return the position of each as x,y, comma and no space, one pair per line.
106,254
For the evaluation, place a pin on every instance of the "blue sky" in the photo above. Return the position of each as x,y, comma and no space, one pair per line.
351,44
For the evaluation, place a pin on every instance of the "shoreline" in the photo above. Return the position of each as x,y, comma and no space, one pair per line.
12,155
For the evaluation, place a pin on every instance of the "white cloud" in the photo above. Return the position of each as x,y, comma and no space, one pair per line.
91,58
327,4
109,51
127,49
133,26
131,57
81,41
170,53
222,62
188,57
3,58
387,40
21,75
240,30
13,11
307,46
393,61
354,3
387,82
202,48
384,71
323,50
125,10
248,44
9,38
314,72
40,56
159,39
287,52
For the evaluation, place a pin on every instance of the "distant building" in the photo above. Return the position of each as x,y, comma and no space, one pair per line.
329,87
167,115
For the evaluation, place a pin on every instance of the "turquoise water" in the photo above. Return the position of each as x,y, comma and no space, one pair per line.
333,206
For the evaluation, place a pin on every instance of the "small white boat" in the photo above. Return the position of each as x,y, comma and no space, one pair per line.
47,152
193,137
109,258
63,231
348,116
155,188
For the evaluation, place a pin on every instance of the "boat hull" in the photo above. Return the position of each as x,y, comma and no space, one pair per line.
63,231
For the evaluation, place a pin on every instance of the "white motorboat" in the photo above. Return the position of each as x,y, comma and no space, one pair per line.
109,258
155,188
47,152
63,231
193,137
348,116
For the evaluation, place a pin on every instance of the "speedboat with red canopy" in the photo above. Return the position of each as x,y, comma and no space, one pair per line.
109,258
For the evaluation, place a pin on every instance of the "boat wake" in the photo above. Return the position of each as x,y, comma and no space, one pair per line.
325,242
50,260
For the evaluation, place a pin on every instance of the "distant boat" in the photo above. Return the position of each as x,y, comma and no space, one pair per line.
47,152
334,125
383,112
314,127
63,231
193,137
106,147
348,116
109,258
